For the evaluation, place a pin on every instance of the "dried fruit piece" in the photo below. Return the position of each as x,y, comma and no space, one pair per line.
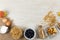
16,33
41,32
1,14
52,31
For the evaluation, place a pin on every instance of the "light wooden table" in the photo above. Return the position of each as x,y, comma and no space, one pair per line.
7,36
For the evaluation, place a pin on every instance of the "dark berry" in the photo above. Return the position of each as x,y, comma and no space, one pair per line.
29,33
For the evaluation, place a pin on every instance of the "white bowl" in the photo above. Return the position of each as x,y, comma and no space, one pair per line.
32,37
3,29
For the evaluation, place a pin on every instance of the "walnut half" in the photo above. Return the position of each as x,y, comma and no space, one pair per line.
52,31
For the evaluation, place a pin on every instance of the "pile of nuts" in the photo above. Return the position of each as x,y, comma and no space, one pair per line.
52,31
16,33
50,18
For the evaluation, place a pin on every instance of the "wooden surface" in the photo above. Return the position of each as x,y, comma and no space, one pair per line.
7,36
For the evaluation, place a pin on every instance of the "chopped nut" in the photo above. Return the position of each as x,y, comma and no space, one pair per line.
52,31
50,18
41,32
16,33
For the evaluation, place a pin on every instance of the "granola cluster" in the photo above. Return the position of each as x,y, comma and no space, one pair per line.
16,33
50,18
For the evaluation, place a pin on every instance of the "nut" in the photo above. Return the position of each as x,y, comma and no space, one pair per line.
16,33
52,31
41,32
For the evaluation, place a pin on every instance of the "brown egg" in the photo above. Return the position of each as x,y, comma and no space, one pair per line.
4,20
8,23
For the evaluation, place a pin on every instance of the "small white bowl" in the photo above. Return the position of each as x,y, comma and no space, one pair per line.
32,37
3,29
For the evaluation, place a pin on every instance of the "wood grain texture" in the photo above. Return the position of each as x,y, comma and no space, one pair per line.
7,36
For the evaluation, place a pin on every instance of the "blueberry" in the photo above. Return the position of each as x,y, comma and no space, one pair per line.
29,33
